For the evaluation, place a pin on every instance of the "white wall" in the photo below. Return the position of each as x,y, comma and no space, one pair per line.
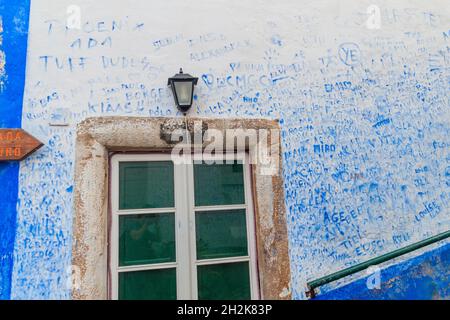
365,114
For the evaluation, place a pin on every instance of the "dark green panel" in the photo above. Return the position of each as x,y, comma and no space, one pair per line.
148,285
221,234
219,184
146,185
145,239
229,281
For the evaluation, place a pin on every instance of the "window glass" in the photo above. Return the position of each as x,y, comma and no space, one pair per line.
146,239
148,285
144,185
228,281
218,184
221,234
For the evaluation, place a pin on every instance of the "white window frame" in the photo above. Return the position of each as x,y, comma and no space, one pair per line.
184,210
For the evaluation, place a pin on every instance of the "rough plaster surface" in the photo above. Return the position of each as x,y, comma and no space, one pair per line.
364,115
90,247
97,136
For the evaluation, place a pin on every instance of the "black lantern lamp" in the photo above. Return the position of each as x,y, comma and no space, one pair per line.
183,90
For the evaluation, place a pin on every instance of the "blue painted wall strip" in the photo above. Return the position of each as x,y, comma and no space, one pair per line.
421,278
15,17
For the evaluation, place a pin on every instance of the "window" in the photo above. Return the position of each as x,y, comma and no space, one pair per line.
182,231
91,246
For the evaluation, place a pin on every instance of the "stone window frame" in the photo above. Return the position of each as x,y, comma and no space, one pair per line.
97,138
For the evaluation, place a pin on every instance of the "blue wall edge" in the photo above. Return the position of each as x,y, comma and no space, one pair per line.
424,277
15,17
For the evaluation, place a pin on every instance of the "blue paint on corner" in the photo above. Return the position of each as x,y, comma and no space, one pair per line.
15,17
421,278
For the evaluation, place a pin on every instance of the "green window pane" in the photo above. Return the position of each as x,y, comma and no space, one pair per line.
145,239
148,285
228,281
221,234
146,185
218,184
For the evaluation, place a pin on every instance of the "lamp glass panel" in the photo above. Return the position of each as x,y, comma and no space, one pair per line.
183,90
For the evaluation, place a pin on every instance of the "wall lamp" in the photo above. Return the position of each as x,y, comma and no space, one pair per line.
182,85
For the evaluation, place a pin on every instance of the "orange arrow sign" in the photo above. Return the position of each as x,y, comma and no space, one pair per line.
17,144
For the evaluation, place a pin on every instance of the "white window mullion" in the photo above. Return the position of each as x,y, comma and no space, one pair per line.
183,251
192,234
223,260
221,208
135,212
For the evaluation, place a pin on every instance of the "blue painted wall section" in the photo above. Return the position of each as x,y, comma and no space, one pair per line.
14,16
421,278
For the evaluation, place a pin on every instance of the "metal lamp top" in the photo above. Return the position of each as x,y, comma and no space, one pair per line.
182,77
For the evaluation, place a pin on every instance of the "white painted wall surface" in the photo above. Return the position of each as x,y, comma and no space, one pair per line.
365,114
